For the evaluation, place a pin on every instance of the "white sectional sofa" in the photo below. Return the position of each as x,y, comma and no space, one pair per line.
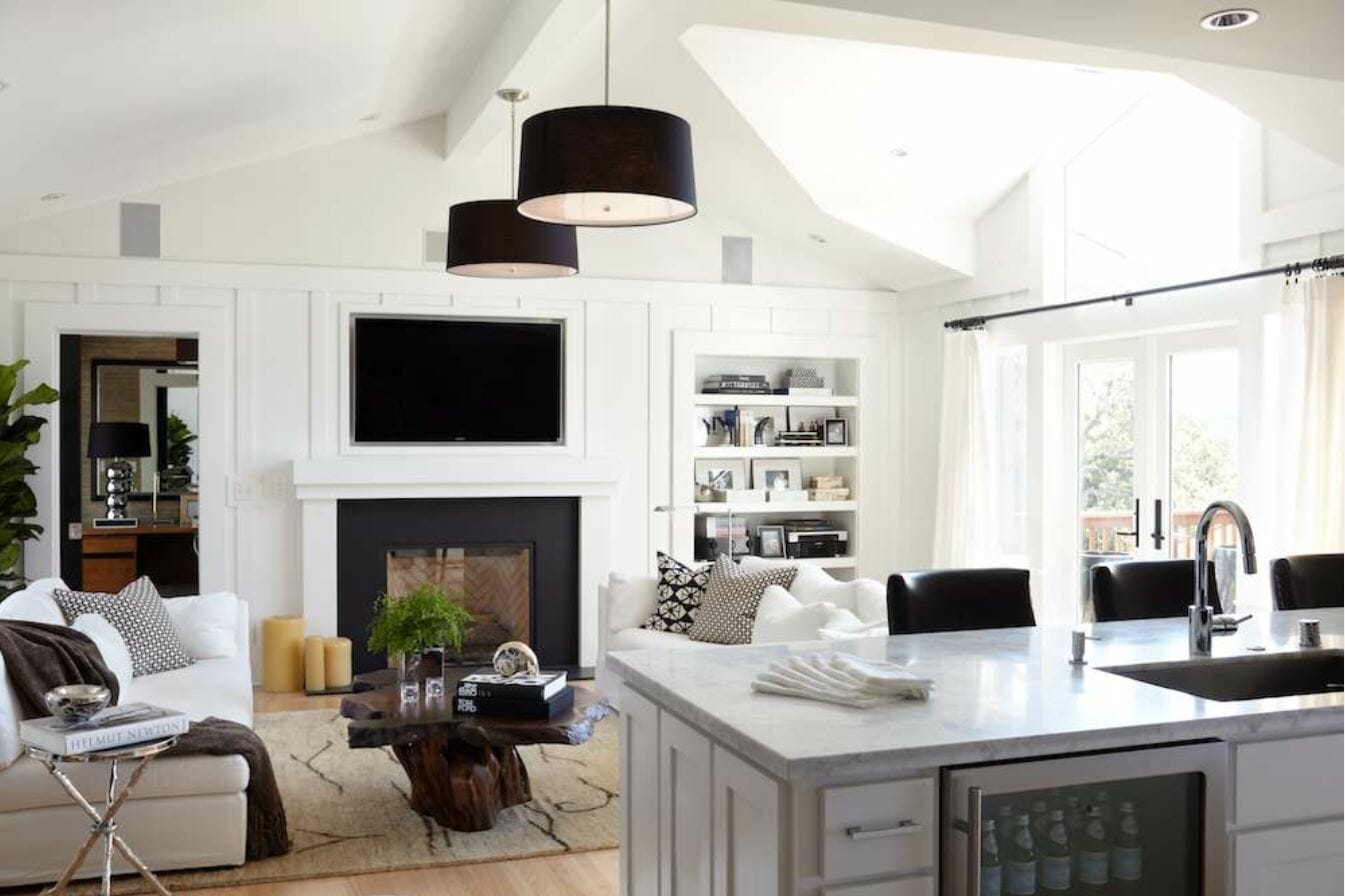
626,601
186,812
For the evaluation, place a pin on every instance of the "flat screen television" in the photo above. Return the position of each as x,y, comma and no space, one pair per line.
457,380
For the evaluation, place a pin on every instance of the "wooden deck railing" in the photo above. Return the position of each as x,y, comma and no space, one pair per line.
1101,532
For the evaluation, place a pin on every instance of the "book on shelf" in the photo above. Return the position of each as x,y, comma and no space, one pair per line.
729,389
745,377
486,683
116,726
713,526
560,702
805,391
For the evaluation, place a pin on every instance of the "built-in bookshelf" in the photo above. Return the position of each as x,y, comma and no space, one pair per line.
844,363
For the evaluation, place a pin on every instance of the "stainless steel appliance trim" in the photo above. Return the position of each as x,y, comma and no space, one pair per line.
901,828
1209,758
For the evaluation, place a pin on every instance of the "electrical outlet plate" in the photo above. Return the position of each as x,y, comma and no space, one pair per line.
74,531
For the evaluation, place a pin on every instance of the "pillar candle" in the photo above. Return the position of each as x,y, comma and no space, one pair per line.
282,654
337,652
315,676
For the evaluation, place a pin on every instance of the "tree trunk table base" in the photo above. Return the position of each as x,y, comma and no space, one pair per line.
464,769
461,786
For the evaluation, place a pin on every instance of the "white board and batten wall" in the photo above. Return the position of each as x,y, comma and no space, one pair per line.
274,379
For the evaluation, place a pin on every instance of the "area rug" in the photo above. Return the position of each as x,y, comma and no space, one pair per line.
349,812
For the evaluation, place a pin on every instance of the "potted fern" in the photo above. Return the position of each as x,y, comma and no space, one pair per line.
408,627
18,433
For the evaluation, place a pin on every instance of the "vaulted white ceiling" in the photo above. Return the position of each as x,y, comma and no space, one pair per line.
795,106
108,98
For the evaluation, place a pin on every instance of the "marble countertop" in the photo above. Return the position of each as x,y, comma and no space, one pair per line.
998,694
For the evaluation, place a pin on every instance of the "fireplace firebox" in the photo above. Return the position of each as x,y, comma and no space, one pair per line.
513,562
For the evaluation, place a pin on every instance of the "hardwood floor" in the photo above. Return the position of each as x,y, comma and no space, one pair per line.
573,874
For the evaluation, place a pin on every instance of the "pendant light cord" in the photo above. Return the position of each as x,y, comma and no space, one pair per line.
607,54
513,184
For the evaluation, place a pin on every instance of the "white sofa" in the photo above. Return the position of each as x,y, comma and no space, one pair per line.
186,812
626,601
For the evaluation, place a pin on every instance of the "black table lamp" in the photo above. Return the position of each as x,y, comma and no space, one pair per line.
116,442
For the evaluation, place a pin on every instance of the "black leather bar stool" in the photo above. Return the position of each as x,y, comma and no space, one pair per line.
1147,589
1307,580
950,600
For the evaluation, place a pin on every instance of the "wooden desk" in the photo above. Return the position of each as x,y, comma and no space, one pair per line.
113,558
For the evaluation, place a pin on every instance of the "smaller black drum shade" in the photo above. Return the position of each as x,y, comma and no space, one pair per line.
606,166
489,238
119,440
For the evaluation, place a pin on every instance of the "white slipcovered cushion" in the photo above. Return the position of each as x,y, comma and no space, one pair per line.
630,600
31,605
782,617
648,639
10,748
110,644
866,598
205,624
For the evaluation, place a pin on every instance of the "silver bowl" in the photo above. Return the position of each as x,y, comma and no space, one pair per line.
77,702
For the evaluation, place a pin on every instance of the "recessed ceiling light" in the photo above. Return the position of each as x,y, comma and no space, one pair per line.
900,152
51,197
1228,19
817,238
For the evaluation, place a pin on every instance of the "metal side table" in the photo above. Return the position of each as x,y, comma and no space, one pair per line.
105,826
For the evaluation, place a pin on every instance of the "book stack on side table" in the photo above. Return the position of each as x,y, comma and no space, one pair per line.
116,726
486,693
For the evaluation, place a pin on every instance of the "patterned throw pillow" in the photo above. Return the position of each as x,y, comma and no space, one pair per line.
137,613
729,606
679,594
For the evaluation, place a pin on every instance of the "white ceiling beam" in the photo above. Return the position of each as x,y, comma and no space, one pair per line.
535,32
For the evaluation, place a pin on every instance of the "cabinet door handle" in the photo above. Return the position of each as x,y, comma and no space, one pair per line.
900,829
1157,534
971,826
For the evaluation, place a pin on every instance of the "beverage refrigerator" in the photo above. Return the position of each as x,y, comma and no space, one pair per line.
1145,820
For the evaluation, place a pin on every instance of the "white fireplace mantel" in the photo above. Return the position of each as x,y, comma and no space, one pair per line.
319,484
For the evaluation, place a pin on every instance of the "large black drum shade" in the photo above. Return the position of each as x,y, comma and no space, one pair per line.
489,238
606,166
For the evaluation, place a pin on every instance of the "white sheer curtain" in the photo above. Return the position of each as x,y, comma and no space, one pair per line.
964,508
1310,460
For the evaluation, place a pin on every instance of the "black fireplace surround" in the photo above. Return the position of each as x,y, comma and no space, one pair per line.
367,529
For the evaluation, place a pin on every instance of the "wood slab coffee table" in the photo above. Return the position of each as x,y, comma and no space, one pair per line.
464,769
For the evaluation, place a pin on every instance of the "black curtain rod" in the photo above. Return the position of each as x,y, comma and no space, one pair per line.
1325,263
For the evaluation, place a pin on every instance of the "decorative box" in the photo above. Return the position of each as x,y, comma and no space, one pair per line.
828,482
829,494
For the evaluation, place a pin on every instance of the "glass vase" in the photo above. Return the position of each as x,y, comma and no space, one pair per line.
408,676
432,671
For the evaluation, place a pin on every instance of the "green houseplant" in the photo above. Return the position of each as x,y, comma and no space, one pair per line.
405,627
18,433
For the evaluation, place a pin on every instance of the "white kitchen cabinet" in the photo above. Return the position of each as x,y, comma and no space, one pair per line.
640,796
1288,780
1304,858
685,808
748,835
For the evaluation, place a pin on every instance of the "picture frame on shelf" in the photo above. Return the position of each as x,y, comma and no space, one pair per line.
771,541
836,431
722,474
777,475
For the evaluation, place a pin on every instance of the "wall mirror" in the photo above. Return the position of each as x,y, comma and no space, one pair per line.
164,396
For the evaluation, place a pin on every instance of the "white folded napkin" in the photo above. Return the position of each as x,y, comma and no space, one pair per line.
842,679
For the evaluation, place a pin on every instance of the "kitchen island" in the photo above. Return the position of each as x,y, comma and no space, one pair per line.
727,791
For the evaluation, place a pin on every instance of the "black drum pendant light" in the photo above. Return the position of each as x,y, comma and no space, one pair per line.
489,238
606,166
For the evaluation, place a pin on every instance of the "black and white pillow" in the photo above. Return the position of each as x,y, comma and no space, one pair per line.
137,613
679,595
728,609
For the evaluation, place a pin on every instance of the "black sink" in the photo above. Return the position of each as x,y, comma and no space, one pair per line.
1246,677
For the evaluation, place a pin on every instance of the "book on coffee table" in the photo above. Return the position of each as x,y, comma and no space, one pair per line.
487,683
116,726
522,709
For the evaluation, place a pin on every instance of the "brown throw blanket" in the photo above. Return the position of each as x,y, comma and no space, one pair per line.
268,833
39,657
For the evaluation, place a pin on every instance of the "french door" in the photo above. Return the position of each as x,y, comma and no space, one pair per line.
1152,439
